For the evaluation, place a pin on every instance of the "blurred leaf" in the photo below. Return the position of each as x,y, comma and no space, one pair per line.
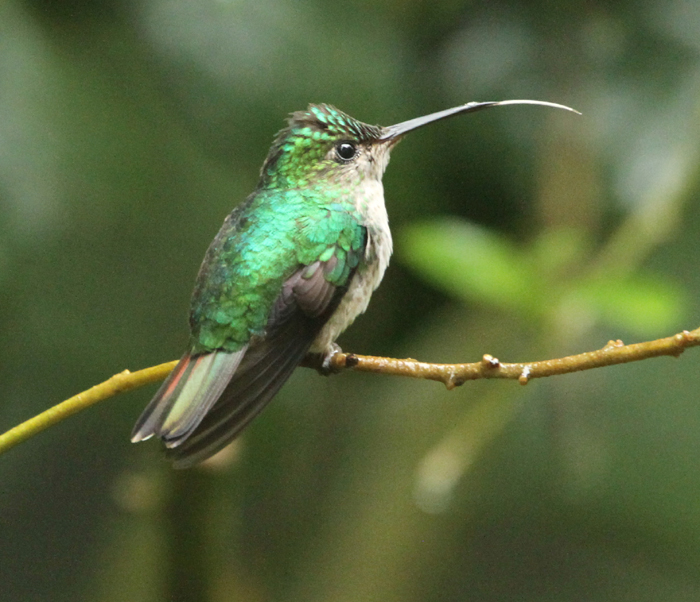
559,249
646,305
470,262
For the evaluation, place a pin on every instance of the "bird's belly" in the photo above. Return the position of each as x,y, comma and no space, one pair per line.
356,300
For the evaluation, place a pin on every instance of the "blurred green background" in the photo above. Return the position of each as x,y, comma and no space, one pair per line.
129,129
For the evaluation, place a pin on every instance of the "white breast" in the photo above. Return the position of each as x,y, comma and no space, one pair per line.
369,274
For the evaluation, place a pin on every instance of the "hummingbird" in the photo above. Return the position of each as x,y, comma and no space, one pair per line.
289,271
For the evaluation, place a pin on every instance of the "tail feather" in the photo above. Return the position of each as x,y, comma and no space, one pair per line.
199,394
260,376
186,396
148,423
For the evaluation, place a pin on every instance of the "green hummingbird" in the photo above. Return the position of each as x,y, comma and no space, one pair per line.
290,269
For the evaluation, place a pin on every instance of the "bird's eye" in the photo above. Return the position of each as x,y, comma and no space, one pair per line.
346,151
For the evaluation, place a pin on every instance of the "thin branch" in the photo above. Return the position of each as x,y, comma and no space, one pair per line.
119,383
452,375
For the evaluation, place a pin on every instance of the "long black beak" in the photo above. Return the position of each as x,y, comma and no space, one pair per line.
394,131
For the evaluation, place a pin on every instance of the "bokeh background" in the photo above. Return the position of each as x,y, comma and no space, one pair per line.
130,128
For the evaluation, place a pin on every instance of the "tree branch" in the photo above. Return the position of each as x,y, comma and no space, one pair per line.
452,375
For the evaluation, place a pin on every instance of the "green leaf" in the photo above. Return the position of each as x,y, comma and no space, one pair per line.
558,251
645,304
470,262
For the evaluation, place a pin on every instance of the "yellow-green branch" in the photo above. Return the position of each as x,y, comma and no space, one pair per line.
452,375
119,383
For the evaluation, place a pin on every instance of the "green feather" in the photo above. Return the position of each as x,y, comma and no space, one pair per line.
261,245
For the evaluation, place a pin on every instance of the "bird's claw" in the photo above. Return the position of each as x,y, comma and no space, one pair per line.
326,367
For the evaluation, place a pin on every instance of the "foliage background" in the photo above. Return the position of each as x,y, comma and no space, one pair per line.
129,129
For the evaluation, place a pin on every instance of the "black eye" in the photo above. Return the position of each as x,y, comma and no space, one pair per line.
346,151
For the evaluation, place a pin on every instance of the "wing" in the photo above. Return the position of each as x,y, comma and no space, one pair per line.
306,302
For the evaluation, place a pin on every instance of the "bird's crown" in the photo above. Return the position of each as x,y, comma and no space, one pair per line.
304,147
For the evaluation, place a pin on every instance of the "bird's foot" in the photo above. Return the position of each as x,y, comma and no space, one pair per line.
326,367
